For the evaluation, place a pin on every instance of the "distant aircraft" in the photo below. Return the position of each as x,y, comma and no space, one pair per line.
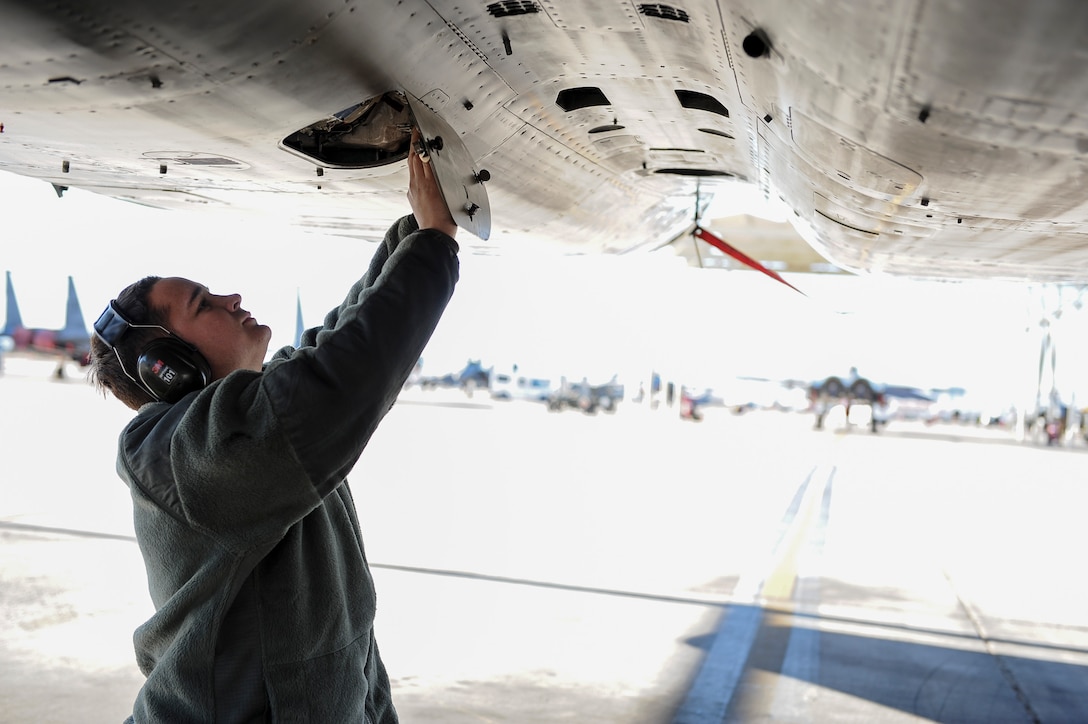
856,390
931,139
72,342
473,376
586,396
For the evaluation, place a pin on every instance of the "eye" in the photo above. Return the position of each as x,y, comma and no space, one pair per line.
202,305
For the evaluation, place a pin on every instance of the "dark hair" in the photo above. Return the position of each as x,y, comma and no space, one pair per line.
107,373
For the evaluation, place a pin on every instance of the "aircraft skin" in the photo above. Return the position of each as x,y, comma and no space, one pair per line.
944,138
70,342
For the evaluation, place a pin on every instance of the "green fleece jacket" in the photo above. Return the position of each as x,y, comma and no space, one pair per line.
264,603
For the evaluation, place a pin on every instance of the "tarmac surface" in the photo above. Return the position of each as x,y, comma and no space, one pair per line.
537,567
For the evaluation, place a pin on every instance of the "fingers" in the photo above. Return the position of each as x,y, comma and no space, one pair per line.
416,164
424,195
421,167
419,164
413,157
413,165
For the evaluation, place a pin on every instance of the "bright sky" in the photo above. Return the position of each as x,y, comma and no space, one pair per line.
591,315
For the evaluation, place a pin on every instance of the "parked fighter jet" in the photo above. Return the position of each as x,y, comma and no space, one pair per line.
71,342
854,389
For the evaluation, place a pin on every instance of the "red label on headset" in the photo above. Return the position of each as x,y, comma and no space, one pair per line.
163,371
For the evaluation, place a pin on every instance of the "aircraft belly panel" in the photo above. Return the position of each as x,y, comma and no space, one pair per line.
805,38
634,131
596,16
1039,83
856,166
940,136
871,221
578,204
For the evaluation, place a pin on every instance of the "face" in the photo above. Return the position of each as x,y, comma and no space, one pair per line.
228,337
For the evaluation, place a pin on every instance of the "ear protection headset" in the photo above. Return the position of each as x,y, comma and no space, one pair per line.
168,367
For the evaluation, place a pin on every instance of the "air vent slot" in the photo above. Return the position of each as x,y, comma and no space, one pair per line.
702,172
715,132
187,158
665,12
509,8
208,161
606,129
701,102
571,99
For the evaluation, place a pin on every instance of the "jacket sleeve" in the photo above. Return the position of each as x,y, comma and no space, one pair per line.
400,229
330,395
256,451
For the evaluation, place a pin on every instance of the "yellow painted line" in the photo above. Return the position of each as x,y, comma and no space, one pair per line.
726,663
782,579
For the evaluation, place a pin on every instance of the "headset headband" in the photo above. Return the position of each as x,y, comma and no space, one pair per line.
112,325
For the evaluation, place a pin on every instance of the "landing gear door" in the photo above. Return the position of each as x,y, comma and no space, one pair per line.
460,181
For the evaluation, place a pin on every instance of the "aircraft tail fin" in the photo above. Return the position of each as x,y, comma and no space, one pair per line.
14,320
299,328
75,326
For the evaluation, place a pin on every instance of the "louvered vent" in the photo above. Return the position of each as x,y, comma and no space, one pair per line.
665,12
507,8
571,99
702,102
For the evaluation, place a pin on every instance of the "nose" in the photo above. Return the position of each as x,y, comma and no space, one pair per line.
232,301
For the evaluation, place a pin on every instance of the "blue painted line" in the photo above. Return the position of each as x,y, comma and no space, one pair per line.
710,694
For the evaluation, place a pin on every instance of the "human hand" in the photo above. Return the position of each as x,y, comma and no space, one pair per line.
428,204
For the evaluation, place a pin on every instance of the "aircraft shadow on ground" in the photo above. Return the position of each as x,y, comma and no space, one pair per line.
956,682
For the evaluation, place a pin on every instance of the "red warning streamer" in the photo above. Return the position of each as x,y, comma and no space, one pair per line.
718,243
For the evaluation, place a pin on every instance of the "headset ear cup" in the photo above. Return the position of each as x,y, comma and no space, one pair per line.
170,369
